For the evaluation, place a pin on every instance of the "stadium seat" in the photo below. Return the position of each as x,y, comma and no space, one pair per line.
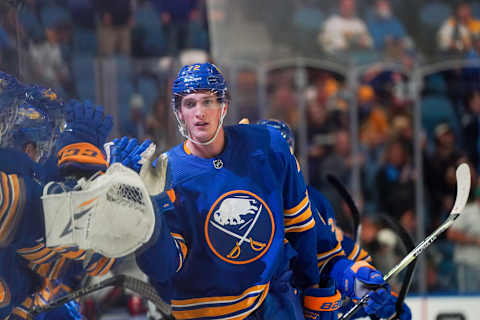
434,13
84,41
149,28
436,108
124,86
83,76
308,19
147,87
475,9
52,15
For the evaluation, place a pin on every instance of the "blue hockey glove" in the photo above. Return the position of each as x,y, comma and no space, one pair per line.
388,309
360,278
86,122
129,153
87,128
321,303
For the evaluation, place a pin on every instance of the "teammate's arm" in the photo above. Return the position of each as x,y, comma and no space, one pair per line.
298,220
165,253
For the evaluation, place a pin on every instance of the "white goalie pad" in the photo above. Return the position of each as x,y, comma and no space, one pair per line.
111,214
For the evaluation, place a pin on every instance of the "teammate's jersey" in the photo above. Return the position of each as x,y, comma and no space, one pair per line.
23,255
21,216
232,214
16,281
351,249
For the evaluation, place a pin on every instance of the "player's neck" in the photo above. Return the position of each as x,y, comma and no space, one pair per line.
210,150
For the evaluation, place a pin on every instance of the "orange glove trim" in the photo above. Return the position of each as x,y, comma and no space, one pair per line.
81,152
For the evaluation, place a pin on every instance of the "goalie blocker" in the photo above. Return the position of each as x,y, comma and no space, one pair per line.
111,214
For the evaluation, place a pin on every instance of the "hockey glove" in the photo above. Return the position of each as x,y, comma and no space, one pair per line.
388,310
78,149
321,303
128,152
359,279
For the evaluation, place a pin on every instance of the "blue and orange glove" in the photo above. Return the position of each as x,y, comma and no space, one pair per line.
78,149
322,303
356,279
129,152
389,309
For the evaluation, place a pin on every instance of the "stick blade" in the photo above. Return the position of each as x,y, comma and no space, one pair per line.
463,188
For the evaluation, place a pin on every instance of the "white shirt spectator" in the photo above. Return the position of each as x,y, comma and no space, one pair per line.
341,33
469,224
50,65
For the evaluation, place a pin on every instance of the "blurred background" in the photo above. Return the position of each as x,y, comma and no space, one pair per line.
384,94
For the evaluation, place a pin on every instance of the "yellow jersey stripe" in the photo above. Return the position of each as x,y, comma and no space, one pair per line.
324,255
224,310
297,208
12,207
211,300
306,215
354,253
322,262
301,228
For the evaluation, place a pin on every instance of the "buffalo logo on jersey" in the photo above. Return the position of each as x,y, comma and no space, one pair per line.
239,227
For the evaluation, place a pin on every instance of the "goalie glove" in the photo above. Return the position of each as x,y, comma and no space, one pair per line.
87,128
156,176
111,214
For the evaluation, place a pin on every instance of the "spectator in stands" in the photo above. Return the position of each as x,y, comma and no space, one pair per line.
318,121
387,31
114,26
455,33
340,161
283,103
135,126
176,16
440,179
345,31
395,184
465,233
471,128
49,66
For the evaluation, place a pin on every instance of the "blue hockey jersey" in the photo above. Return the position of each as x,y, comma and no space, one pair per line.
24,258
232,214
323,211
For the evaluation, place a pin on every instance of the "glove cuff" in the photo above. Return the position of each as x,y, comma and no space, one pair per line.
81,152
322,299
163,201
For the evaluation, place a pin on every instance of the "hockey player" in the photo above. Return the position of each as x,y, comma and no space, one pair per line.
18,175
235,228
323,212
220,252
29,115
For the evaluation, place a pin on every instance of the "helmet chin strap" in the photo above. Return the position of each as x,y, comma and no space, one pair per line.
184,131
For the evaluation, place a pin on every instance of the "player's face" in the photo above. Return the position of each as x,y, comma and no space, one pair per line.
201,114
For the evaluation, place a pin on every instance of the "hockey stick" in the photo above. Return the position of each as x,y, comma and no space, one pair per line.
407,281
463,191
145,290
338,185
